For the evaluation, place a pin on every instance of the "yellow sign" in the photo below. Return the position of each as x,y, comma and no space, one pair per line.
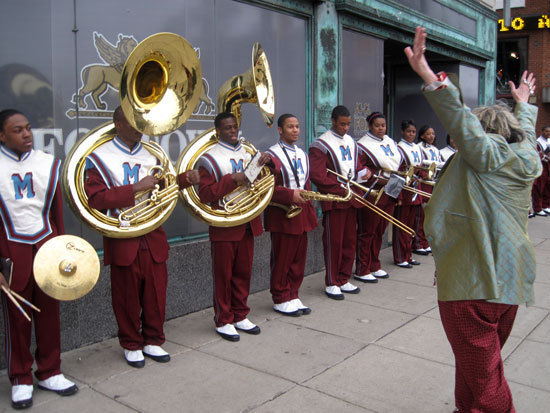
526,23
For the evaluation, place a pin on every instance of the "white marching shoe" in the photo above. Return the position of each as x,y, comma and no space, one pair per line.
298,303
156,353
134,358
367,278
349,288
228,332
21,396
58,384
247,326
334,292
380,274
287,308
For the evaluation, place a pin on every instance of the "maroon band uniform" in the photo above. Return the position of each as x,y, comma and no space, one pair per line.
31,210
339,154
232,248
288,235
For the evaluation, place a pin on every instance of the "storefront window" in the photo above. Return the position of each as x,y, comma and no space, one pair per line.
511,62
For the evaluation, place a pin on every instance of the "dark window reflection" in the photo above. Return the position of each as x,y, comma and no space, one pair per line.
511,62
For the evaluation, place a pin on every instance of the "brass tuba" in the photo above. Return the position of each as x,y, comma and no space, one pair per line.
253,86
160,88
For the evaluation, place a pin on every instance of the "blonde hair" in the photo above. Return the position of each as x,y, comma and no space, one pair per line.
499,119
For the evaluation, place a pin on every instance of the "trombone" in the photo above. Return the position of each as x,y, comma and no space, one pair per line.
431,171
373,207
408,175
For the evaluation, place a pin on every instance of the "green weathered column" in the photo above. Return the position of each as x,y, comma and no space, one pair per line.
326,65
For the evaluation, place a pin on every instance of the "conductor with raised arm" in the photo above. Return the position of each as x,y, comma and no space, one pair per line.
476,223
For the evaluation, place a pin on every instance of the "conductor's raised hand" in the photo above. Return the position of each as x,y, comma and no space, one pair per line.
417,59
525,88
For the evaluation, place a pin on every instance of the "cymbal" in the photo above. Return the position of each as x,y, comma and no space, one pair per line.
66,267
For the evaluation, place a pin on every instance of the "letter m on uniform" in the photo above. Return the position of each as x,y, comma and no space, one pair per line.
22,184
236,166
130,173
346,153
298,165
387,150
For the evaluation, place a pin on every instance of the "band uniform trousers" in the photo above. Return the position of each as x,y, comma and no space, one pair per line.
477,331
370,230
18,334
401,241
288,262
138,270
232,268
538,190
420,240
339,241
139,300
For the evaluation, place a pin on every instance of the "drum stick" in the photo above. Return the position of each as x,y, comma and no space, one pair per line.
31,305
14,301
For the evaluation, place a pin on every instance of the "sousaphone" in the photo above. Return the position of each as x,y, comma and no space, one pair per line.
160,87
253,86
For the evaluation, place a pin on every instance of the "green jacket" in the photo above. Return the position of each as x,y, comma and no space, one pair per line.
476,220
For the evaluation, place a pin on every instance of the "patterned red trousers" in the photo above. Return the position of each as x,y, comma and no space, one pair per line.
477,331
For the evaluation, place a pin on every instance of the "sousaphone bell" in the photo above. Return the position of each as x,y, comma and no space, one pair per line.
160,87
253,86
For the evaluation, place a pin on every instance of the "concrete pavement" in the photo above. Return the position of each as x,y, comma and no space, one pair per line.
382,350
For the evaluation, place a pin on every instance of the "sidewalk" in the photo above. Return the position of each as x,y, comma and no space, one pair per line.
383,350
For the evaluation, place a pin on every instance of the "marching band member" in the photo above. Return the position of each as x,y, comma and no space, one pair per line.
543,142
115,172
477,224
31,209
408,203
337,151
221,171
448,150
378,151
289,235
426,137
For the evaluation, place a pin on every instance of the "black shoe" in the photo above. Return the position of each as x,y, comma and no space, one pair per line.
531,215
22,404
137,364
421,252
305,310
402,265
254,330
229,337
338,297
414,262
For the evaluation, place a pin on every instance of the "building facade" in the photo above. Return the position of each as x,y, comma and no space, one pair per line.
525,45
62,61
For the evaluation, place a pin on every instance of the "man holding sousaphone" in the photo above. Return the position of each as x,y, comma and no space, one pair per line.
116,171
222,171
32,213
